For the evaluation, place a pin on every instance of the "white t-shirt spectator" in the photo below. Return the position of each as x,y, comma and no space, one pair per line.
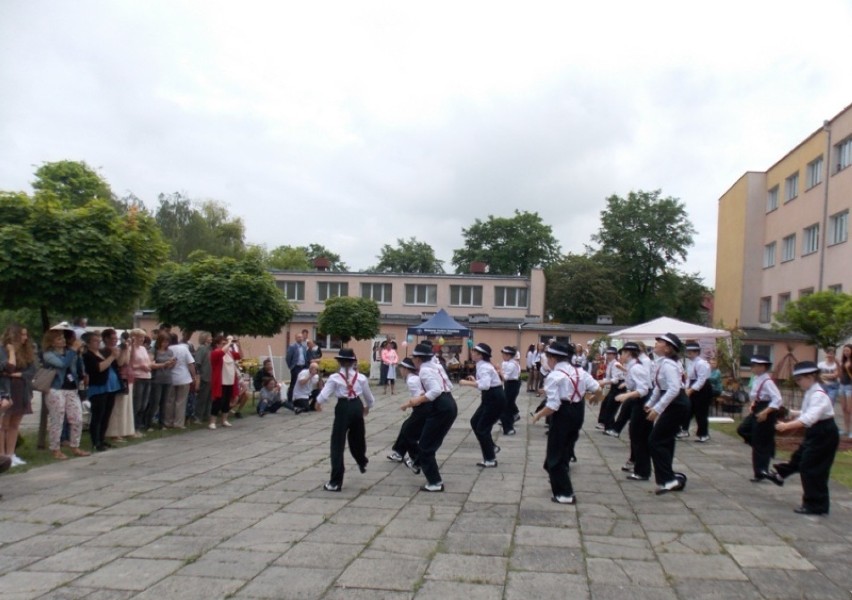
180,373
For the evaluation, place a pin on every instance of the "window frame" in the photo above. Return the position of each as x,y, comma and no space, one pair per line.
772,199
427,287
518,291
791,187
788,243
843,152
328,284
834,220
810,239
769,252
458,291
300,287
765,310
386,298
814,173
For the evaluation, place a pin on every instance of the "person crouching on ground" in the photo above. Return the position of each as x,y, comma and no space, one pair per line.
412,427
492,405
814,457
307,389
758,428
565,389
270,397
354,400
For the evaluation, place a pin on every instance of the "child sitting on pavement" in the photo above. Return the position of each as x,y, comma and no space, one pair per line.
270,397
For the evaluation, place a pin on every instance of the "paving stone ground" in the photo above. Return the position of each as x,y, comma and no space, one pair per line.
240,513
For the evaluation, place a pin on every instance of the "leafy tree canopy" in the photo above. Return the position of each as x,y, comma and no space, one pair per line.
349,318
221,294
648,236
75,260
72,183
301,258
508,245
582,287
824,317
410,256
189,226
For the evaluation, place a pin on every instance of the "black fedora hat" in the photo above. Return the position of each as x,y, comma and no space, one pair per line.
483,349
630,347
423,350
509,350
671,339
407,364
760,359
560,349
346,354
806,367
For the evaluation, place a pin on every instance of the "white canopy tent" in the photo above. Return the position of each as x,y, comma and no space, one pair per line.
646,332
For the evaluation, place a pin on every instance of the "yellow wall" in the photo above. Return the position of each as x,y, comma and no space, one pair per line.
730,250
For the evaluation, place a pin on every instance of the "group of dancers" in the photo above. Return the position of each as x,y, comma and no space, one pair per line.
656,397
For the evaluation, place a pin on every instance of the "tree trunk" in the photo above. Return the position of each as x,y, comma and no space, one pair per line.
41,440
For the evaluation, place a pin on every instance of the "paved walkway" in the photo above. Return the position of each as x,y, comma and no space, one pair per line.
239,513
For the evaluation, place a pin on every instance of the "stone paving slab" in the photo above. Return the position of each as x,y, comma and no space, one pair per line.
240,513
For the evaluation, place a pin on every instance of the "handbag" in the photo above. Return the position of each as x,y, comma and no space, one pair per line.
43,379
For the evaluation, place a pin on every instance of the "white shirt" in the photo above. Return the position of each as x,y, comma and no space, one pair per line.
699,372
413,384
637,379
816,406
180,372
763,389
511,370
613,373
434,381
305,384
829,369
347,383
567,383
668,378
487,376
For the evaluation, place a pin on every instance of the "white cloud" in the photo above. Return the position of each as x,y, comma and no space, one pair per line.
354,124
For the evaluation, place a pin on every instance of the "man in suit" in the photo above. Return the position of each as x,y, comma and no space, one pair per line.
297,359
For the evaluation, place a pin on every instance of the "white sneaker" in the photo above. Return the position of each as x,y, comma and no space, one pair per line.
611,433
395,457
703,438
211,426
600,426
682,434
564,499
487,464
18,462
226,424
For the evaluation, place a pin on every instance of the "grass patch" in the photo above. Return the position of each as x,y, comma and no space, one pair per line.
841,471
36,458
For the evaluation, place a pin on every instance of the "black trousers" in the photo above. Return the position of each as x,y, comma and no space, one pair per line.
410,431
441,414
511,389
640,432
700,410
813,460
348,425
661,442
490,408
101,410
624,414
565,428
609,408
760,436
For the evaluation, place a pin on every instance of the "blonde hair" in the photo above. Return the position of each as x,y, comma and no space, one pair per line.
24,352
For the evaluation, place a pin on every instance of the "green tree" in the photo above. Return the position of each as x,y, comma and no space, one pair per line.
72,183
236,296
85,260
824,317
349,318
410,256
648,236
509,246
582,287
314,251
682,297
207,226
288,258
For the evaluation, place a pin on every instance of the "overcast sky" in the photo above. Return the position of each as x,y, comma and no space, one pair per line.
352,124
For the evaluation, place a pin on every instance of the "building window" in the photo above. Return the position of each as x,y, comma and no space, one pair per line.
765,309
380,292
838,228
749,350
837,288
791,187
844,153
769,255
421,294
331,289
788,248
331,342
772,199
815,172
510,297
783,299
465,295
810,240
293,290
805,292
